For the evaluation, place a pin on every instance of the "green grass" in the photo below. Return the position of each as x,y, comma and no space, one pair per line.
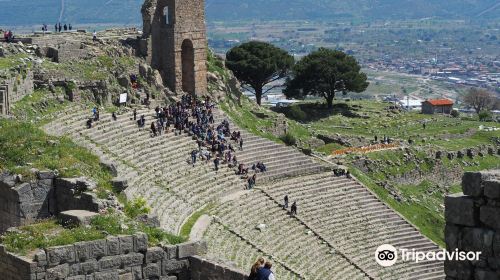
429,222
422,204
216,65
49,233
46,234
40,107
188,225
247,117
24,146
11,61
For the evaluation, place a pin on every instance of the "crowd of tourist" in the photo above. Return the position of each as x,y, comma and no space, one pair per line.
261,270
215,142
58,27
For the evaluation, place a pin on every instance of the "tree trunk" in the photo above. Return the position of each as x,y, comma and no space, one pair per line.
329,100
258,95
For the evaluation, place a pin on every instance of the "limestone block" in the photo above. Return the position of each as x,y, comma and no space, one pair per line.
82,251
477,240
113,244
492,189
89,267
48,174
77,277
119,184
126,244
472,184
75,269
174,266
489,215
460,210
140,242
133,259
151,270
58,272
76,217
40,257
107,275
61,254
136,272
171,251
191,249
111,262
155,254
97,248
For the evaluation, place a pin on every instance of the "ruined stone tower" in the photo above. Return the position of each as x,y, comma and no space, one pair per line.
174,41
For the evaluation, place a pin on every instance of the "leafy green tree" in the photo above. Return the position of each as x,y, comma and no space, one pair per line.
324,73
257,64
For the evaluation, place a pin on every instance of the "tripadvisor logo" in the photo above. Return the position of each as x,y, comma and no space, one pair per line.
387,255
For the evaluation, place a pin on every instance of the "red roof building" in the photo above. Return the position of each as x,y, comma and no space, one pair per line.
439,106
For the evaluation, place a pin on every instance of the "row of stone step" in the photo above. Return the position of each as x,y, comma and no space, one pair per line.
158,161
353,220
222,244
285,237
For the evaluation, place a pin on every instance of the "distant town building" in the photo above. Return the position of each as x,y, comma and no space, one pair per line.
437,106
410,104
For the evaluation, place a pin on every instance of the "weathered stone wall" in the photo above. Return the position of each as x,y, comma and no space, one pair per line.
473,224
22,203
121,257
204,269
177,48
14,85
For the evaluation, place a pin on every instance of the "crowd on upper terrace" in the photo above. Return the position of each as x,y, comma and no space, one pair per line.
215,142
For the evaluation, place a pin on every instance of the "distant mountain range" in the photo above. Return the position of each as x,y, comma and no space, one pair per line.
127,12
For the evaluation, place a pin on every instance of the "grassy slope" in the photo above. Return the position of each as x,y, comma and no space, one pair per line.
24,145
423,209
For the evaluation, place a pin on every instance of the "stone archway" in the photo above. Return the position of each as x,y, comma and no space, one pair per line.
188,75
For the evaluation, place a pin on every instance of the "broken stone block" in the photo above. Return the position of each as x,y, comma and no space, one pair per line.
460,210
492,189
472,184
76,217
489,215
119,184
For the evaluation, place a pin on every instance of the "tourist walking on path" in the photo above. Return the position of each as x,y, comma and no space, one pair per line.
94,36
193,157
113,115
285,205
251,181
241,144
216,164
153,129
293,209
135,114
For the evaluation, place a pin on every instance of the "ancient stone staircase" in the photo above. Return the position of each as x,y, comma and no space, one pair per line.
334,236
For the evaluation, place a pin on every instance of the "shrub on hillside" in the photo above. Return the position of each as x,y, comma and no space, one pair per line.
296,113
136,207
485,116
289,139
455,114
